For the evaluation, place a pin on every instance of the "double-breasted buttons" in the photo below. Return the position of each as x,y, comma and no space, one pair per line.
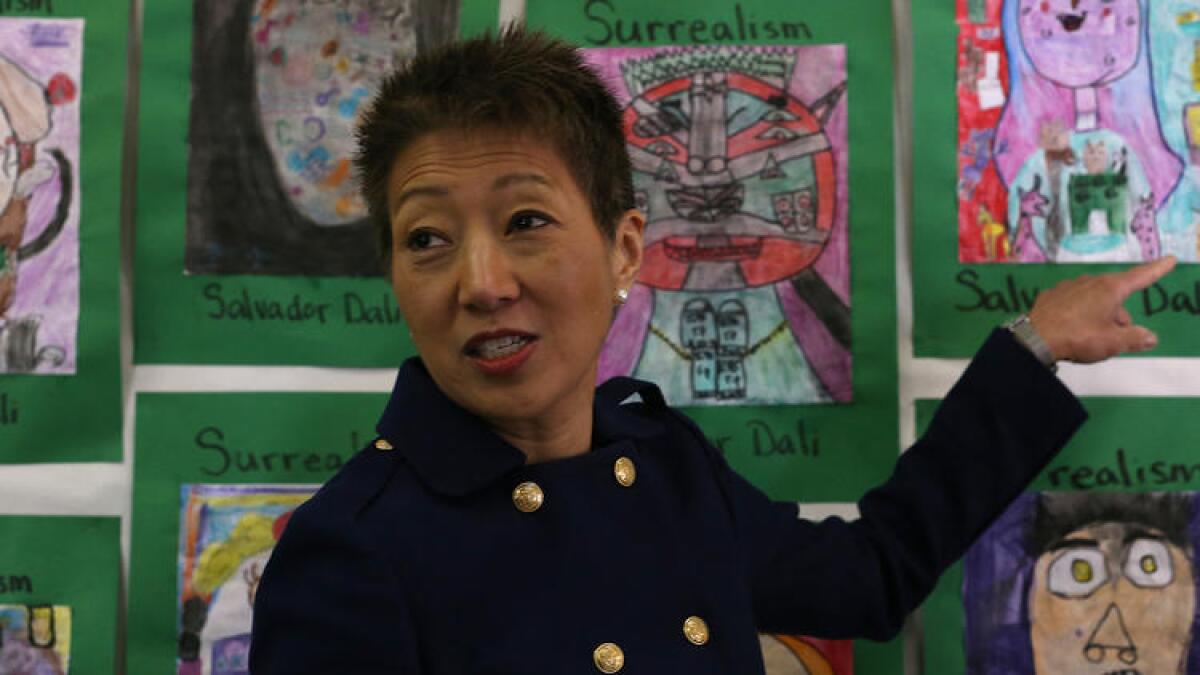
608,658
695,630
528,497
383,444
625,471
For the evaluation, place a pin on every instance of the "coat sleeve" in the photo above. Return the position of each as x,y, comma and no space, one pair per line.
329,603
996,429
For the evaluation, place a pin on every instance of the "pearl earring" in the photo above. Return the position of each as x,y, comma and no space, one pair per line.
622,296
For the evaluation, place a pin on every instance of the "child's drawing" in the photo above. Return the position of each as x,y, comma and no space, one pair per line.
1085,583
1088,108
40,69
740,164
35,640
276,88
795,655
226,535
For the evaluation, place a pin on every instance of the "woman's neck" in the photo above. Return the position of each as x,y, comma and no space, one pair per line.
564,431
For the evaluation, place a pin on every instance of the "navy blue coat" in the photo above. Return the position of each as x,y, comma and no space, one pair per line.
415,559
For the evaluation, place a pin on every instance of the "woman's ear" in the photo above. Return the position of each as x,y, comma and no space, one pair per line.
627,248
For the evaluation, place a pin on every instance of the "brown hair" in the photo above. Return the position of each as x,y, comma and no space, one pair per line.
519,81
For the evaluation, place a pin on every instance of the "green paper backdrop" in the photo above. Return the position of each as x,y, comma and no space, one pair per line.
32,407
68,561
220,438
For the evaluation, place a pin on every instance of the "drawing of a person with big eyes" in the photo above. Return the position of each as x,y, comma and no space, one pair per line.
1114,595
1081,123
1087,583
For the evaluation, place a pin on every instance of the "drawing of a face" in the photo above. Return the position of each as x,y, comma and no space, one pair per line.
739,178
316,64
1112,598
1081,43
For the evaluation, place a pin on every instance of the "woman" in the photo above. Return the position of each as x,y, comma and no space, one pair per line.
510,518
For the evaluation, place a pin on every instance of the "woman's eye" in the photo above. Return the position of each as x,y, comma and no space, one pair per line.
420,240
527,221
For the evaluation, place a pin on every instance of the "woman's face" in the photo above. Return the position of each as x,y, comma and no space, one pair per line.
504,278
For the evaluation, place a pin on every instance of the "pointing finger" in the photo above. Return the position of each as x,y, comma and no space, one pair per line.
1137,278
1137,339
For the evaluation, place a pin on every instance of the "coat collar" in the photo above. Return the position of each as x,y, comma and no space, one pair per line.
455,453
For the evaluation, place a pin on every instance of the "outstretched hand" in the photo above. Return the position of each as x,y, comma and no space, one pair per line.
1084,320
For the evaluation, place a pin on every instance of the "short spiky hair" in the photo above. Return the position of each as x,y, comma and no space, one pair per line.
520,81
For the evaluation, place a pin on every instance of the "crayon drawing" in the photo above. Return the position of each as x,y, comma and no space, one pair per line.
35,640
1078,130
740,165
40,70
1085,583
276,87
795,655
226,535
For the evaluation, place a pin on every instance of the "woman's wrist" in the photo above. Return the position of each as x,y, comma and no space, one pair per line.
1024,331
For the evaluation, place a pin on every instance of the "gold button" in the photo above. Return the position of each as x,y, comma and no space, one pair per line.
382,444
695,630
609,658
528,497
625,471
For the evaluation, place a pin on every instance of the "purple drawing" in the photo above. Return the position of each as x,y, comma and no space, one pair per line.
1081,116
1033,205
40,71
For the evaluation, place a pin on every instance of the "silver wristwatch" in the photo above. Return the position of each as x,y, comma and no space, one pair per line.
1027,335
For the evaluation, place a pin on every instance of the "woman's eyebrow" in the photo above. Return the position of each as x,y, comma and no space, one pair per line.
510,179
426,191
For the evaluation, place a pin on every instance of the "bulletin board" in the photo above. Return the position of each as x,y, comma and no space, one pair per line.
1124,451
1023,178
220,473
791,169
59,591
253,246
63,108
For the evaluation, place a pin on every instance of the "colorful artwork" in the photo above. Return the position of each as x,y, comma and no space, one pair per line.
740,164
1085,583
1077,130
35,640
794,655
40,69
226,535
276,87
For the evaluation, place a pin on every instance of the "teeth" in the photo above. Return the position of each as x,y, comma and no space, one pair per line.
501,347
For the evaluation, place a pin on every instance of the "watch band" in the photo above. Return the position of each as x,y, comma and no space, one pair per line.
1022,329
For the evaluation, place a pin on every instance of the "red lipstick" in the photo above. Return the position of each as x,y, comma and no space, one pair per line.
499,352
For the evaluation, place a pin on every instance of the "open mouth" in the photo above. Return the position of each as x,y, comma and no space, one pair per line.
1072,22
498,347
1124,671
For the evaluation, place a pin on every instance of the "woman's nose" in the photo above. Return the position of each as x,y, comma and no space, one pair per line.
487,279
